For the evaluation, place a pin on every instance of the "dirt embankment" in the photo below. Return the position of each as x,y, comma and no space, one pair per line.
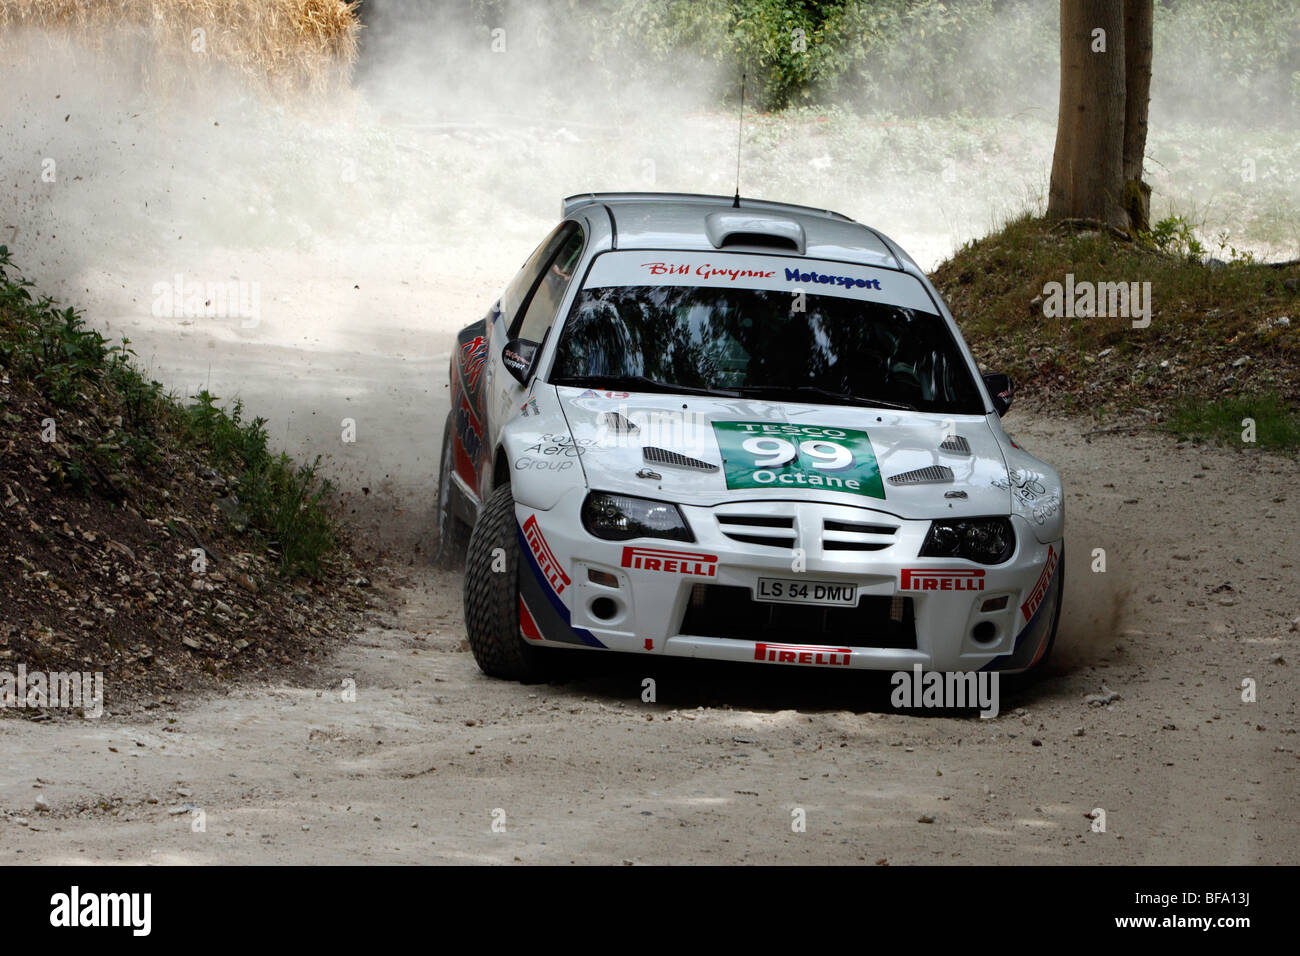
1109,326
155,588
157,545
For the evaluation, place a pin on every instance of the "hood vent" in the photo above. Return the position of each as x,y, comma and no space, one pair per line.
933,475
662,456
619,424
955,444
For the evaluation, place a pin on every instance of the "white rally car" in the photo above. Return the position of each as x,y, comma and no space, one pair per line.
742,432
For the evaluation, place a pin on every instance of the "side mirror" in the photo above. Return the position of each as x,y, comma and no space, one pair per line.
517,356
1002,392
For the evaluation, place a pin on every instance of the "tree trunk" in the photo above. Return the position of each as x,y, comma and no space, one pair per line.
1088,164
1138,16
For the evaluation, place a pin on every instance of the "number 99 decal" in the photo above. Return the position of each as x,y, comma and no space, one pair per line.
827,455
824,455
779,450
787,456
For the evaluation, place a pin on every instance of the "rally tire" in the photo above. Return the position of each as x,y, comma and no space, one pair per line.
492,597
453,534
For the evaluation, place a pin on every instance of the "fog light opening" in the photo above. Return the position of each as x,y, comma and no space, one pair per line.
604,608
985,632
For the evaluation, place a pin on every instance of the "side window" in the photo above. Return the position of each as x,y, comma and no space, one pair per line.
522,285
539,311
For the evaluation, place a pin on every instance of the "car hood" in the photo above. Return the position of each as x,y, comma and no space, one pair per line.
705,450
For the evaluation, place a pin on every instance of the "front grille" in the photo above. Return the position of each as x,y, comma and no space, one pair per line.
856,535
773,531
720,610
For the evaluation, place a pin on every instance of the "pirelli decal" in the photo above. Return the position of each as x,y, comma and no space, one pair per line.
546,558
941,579
671,562
802,654
1040,588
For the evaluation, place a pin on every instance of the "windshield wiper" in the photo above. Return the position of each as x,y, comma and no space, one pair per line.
637,383
842,398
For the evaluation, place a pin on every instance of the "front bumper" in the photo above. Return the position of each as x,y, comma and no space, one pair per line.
657,596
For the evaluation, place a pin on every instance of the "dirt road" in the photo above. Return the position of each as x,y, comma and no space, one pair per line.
1201,590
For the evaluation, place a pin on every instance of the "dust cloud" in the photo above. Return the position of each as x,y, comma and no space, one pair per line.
1097,607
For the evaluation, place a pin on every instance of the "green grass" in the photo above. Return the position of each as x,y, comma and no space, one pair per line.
1277,425
75,369
283,499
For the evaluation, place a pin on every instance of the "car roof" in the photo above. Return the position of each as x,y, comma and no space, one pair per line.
641,220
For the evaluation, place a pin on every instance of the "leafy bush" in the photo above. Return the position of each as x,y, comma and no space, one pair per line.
284,500
1236,62
52,346
1175,235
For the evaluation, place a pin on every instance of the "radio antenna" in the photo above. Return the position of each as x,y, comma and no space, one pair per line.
740,128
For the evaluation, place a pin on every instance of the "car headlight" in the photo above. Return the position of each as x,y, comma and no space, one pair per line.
619,517
982,540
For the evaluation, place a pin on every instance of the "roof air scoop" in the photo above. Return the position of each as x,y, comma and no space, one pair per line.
748,228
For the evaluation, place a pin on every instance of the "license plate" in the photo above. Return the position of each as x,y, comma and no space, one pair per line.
799,591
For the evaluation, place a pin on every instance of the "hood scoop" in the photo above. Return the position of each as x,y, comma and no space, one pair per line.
662,456
932,475
955,444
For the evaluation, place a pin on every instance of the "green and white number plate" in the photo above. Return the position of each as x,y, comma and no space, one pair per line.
790,457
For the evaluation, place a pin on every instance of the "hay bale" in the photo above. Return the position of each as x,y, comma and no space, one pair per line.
277,46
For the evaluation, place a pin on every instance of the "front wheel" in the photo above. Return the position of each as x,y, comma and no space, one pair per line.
492,595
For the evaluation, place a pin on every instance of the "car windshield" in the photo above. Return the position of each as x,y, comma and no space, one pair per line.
818,348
